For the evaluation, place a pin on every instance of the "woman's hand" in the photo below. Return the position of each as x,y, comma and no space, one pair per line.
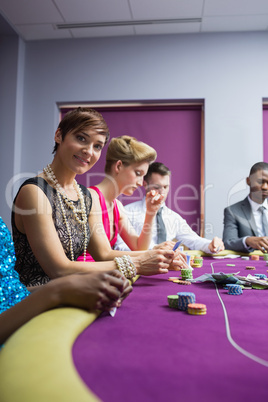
127,288
153,262
166,245
178,262
92,291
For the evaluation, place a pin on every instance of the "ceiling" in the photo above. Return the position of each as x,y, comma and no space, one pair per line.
59,19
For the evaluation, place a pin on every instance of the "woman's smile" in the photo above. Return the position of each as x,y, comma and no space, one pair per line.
83,161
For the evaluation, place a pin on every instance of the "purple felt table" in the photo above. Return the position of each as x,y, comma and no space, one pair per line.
150,352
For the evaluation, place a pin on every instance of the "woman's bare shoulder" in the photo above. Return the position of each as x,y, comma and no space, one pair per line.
31,198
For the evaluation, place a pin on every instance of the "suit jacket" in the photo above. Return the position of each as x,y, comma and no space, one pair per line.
238,223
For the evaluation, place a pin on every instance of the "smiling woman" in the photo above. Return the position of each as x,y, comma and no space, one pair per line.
52,221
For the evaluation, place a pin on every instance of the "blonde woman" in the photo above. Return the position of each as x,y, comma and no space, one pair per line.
127,161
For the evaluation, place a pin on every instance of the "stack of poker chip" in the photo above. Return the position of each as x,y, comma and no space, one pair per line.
265,257
254,257
185,298
173,301
198,262
234,289
197,309
181,282
186,273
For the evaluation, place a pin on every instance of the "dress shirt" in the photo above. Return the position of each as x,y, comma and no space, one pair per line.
257,217
176,227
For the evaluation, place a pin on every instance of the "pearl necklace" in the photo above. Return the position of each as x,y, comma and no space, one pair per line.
62,197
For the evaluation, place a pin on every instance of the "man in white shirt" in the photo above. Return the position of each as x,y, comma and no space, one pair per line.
175,227
245,223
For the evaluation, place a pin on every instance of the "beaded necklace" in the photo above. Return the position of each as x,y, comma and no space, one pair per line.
64,199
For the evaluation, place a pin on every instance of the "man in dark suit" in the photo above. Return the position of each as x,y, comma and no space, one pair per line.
246,222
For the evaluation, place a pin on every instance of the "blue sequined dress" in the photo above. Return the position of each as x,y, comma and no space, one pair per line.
12,291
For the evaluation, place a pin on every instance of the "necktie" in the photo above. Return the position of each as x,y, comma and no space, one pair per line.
161,229
264,220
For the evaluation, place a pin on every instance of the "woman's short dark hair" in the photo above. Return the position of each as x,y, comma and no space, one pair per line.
80,119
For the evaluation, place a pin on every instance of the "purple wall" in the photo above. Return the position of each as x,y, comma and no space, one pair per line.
176,135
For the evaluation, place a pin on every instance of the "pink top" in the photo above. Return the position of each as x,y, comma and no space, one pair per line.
106,222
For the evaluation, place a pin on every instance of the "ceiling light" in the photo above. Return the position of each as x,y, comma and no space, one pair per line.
126,23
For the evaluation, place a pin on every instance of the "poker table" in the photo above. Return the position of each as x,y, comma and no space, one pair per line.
147,351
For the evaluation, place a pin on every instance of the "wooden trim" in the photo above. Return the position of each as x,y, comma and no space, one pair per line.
130,104
202,175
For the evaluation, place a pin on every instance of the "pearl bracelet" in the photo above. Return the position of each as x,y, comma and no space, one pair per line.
126,266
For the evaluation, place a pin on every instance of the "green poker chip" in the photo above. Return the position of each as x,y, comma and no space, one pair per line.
173,301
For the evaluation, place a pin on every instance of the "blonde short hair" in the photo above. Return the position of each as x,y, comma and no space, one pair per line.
128,150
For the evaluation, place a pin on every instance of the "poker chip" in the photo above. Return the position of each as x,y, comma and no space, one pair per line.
242,286
185,298
258,286
250,267
261,276
172,278
234,289
197,309
254,257
197,262
173,301
230,265
244,258
180,282
186,274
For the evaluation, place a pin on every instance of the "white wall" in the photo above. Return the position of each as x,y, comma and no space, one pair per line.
227,70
